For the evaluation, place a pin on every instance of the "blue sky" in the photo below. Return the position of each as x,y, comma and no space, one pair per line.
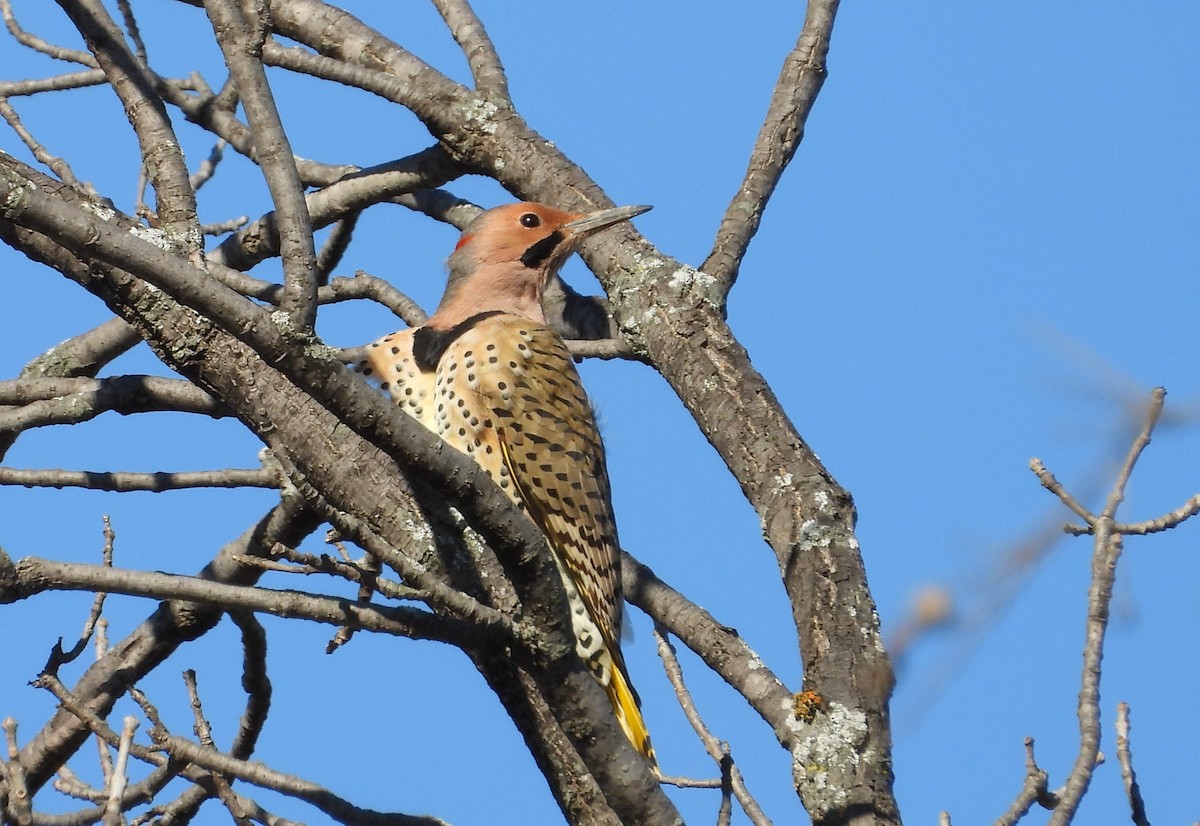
985,249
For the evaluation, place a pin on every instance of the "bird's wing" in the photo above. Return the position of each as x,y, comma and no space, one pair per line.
506,392
550,456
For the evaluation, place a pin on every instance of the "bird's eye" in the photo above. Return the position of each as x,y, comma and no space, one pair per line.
530,220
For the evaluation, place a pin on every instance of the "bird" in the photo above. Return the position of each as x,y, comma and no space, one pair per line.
488,375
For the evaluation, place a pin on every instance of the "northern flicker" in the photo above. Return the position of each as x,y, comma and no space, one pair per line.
488,376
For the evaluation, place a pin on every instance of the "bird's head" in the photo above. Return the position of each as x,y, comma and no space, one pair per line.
507,255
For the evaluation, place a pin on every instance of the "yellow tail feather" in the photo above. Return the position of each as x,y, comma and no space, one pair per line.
629,715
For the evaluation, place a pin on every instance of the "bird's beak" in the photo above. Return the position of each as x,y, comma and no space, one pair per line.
596,221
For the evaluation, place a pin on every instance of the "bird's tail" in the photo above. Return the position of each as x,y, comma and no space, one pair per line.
625,704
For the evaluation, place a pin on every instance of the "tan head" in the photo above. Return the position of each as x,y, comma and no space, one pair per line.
508,254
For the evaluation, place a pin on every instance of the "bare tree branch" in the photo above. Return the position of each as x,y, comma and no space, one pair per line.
124,482
120,780
350,194
59,166
406,81
1166,522
34,575
799,83
1133,792
1108,545
83,355
1034,790
259,775
203,730
208,168
716,749
469,33
53,401
720,646
134,85
36,43
56,83
273,152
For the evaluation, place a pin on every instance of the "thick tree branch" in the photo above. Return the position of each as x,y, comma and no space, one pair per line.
85,354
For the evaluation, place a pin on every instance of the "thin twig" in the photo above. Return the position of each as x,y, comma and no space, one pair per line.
335,247
167,768
264,777
123,481
390,85
1153,414
55,163
120,778
68,783
716,749
1033,790
690,782
1162,523
203,731
1050,483
36,43
353,191
364,285
208,166
726,653
1133,792
430,589
225,227
54,83
255,683
58,656
364,573
135,33
20,802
